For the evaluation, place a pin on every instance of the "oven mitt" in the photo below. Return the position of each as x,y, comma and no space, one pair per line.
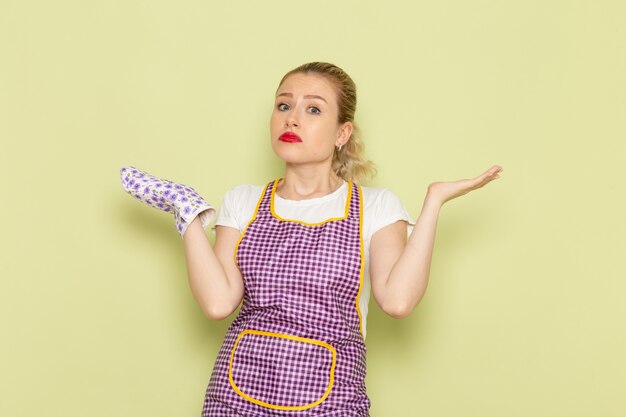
168,196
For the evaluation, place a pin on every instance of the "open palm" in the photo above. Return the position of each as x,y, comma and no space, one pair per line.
445,191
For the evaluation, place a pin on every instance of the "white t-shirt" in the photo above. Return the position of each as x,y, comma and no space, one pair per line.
381,208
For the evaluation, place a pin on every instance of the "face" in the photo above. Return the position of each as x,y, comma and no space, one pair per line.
303,126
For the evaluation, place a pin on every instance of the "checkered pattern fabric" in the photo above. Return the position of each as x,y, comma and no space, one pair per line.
296,347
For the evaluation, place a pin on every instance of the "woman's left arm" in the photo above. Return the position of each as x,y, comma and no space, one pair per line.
399,268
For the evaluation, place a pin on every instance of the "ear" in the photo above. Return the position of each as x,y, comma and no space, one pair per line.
344,133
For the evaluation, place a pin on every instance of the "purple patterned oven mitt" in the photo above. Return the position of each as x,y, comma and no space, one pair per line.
168,196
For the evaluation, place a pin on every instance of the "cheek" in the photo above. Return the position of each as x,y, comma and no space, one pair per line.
275,124
329,132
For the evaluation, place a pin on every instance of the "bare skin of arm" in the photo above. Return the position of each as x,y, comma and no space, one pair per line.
400,268
215,280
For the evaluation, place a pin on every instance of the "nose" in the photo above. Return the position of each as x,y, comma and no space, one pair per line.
291,120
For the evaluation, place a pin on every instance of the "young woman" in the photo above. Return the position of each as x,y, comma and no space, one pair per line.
304,252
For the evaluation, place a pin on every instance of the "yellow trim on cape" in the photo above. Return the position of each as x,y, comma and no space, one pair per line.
362,248
289,337
333,219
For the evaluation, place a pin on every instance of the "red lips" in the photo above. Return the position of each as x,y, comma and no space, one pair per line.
289,137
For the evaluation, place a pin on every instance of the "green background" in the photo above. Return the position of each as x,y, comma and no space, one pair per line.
524,315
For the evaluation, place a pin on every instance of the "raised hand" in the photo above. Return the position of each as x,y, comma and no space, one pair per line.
446,191
179,199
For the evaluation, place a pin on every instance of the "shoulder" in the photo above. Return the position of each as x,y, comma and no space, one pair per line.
381,207
379,197
239,205
244,192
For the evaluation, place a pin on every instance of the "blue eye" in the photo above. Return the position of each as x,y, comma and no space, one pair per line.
314,110
283,107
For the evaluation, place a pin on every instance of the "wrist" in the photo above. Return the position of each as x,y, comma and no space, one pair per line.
433,201
192,229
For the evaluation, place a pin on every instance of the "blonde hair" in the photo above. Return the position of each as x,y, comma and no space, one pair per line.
348,163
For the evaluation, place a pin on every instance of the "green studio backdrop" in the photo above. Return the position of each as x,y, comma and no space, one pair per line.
524,315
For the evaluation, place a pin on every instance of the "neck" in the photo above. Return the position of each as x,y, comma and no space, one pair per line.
302,183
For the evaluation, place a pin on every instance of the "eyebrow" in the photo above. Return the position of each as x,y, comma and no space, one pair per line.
307,96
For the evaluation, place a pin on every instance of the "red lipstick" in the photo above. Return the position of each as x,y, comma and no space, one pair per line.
289,137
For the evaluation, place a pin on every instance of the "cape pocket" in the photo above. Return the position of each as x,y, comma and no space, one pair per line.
281,371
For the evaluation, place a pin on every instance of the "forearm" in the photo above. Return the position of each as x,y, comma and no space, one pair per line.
217,295
399,291
408,279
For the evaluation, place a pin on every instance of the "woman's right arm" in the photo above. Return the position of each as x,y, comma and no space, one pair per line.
215,280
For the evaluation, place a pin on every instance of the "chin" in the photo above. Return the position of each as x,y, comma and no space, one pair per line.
286,151
288,155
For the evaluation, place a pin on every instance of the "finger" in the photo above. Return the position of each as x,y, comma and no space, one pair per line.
486,178
487,175
496,169
491,178
484,175
481,180
491,174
